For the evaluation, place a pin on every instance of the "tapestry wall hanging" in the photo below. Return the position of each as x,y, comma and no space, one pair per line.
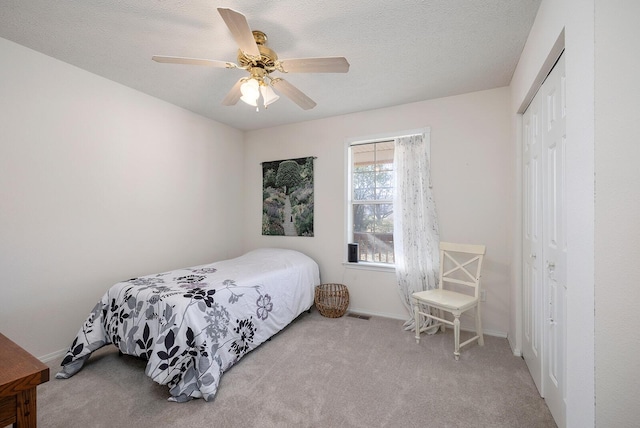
287,197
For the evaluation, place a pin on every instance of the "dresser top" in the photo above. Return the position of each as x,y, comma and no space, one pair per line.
19,370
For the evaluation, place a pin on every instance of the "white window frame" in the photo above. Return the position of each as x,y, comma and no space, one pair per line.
349,194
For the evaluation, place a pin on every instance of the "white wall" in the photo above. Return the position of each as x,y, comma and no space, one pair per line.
471,166
100,183
617,213
576,18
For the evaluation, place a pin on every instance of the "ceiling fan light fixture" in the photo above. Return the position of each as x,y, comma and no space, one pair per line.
250,92
250,101
268,95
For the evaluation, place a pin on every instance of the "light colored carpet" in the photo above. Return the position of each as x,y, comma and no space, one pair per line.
318,372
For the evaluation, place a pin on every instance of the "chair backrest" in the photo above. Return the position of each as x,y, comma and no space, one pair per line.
461,264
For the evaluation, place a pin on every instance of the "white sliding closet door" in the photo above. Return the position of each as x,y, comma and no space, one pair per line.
544,241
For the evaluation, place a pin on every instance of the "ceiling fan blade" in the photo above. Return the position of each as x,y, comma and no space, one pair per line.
234,94
336,64
293,93
240,30
193,61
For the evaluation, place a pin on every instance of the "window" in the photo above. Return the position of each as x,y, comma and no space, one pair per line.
371,200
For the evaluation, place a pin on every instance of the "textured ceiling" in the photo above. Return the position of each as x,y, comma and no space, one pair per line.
400,52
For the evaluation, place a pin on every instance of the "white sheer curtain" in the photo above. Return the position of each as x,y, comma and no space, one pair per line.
416,234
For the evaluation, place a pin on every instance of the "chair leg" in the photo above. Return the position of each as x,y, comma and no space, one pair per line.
416,316
456,336
442,325
479,327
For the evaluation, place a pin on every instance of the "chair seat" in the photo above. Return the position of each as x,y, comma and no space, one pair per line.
446,299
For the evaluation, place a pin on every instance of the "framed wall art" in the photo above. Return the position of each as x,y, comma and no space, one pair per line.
287,197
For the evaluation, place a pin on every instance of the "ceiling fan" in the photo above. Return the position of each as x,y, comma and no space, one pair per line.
260,61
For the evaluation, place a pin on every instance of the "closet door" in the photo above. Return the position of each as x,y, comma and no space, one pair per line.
554,237
544,241
532,293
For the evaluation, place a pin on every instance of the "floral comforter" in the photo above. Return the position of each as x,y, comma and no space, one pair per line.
193,324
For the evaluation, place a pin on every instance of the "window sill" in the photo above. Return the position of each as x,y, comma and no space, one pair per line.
381,267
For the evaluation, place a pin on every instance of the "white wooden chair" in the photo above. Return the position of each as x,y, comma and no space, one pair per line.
460,266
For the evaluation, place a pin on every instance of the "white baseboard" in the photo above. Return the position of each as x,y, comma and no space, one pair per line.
500,334
517,352
53,356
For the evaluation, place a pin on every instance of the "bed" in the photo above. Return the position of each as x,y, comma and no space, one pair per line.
193,324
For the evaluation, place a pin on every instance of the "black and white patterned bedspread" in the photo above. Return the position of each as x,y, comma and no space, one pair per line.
193,324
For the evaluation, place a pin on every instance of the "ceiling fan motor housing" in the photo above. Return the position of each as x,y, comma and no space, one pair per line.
268,57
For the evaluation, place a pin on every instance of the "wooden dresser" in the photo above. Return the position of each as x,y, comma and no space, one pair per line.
20,374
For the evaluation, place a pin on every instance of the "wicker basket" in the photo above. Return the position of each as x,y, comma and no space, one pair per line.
332,300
